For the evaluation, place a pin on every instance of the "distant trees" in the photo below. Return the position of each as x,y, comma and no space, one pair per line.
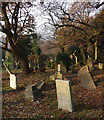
77,19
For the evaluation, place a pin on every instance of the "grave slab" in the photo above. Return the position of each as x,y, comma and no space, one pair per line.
64,95
86,78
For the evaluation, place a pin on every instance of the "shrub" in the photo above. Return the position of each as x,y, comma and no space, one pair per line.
65,59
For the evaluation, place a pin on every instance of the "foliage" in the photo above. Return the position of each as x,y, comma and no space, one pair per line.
64,58
17,22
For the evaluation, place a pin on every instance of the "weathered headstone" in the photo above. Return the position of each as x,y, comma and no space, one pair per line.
13,81
89,63
52,77
33,90
7,69
86,79
100,66
64,95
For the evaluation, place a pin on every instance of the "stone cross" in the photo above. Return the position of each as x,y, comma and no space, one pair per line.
64,95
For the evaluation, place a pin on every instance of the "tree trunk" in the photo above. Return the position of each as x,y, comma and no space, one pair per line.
25,67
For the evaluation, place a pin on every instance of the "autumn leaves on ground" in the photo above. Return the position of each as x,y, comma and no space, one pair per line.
88,104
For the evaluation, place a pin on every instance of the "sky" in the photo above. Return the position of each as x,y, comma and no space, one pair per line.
40,19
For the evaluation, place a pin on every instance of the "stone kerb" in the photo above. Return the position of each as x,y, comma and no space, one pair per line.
86,79
64,95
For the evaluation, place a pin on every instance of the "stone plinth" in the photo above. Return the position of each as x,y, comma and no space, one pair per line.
64,95
59,75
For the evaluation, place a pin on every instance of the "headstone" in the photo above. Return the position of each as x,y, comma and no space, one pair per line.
13,81
52,77
86,79
100,66
89,63
64,95
7,69
33,90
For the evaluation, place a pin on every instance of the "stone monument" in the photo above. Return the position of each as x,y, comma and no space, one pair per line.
59,75
86,79
64,95
13,81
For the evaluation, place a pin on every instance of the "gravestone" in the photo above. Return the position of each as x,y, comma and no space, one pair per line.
7,69
89,63
33,90
86,79
64,95
52,78
100,66
13,81
13,78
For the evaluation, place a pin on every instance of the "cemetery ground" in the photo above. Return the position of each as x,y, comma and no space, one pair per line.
88,104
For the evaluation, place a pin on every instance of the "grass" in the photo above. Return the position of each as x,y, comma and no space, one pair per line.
7,88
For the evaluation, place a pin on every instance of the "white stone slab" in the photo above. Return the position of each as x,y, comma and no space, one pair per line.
64,95
7,69
13,81
58,67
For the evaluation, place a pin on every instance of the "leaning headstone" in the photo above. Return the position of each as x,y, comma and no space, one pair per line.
33,90
86,79
7,69
64,95
13,81
89,63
